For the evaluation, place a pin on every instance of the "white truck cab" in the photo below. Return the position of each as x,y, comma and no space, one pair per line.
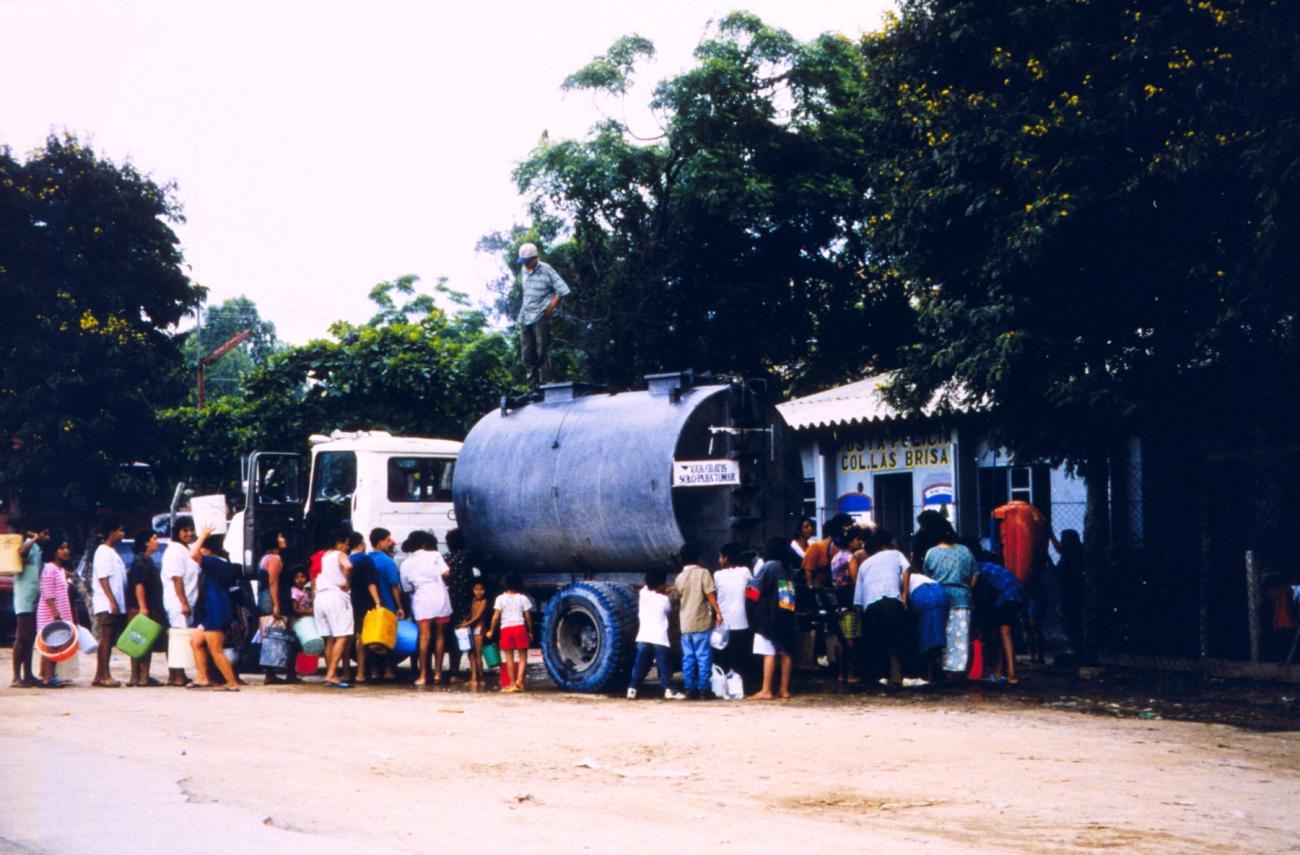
364,480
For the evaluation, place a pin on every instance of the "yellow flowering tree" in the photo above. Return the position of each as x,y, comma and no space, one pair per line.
91,282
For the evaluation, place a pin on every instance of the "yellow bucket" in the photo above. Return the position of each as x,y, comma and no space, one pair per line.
179,654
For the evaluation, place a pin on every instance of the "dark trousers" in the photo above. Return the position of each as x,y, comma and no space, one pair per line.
535,343
645,654
888,636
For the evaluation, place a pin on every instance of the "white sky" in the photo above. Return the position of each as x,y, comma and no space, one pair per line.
321,147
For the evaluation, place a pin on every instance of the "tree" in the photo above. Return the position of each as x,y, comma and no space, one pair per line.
220,324
91,280
432,375
1092,206
722,243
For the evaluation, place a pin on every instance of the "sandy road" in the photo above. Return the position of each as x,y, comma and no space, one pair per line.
388,769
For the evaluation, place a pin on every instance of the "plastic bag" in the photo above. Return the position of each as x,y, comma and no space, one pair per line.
719,637
735,687
718,682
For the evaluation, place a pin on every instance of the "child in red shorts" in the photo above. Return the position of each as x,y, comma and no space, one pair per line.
511,613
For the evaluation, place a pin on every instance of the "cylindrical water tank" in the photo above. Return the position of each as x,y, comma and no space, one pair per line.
581,485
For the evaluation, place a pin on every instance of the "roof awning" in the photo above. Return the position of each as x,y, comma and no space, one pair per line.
862,402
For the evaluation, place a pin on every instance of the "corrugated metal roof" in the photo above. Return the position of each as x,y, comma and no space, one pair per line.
862,402
856,403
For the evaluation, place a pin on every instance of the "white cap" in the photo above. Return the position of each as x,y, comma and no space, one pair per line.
527,251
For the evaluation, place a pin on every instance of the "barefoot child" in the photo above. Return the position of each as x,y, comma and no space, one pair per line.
516,621
474,622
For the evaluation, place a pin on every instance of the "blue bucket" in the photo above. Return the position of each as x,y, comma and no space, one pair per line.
408,639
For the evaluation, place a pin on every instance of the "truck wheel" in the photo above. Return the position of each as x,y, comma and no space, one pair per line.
589,637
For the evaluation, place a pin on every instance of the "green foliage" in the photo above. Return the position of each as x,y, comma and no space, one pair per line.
724,244
432,375
1093,207
220,324
91,279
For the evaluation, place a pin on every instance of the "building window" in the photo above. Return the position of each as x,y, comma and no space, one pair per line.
810,498
1020,484
419,479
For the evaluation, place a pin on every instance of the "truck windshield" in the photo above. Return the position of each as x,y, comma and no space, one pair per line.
278,480
419,479
334,476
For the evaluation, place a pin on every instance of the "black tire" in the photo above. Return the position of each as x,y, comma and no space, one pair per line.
589,637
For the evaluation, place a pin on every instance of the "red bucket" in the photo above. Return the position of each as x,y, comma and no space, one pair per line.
306,665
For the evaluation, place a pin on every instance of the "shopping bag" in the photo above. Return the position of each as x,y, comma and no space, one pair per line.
976,661
735,687
719,637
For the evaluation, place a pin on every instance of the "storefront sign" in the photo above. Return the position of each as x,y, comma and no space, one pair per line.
706,473
884,454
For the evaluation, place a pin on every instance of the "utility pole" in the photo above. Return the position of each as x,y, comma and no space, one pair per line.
235,341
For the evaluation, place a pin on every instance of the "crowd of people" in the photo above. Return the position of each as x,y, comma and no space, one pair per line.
902,620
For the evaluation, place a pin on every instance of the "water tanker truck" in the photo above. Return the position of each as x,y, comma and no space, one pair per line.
581,492
585,490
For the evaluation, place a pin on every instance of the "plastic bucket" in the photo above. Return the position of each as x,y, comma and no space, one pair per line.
491,656
379,631
408,639
306,665
463,640
277,648
86,640
137,639
309,636
179,654
11,563
57,641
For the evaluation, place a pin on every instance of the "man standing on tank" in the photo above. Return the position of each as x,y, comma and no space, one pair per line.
542,288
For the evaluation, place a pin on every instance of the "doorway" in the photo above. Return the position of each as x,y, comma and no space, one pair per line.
894,506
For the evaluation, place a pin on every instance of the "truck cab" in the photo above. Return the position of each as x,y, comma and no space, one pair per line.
363,480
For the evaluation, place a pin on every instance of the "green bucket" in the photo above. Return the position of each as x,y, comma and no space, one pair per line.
139,636
491,656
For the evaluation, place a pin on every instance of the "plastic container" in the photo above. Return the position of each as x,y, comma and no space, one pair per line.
491,656
278,645
306,665
408,639
86,640
309,636
11,563
379,632
57,641
137,639
463,640
179,653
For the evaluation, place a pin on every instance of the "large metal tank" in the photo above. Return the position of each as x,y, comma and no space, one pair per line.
579,486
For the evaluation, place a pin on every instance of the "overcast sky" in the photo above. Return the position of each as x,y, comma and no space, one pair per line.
322,147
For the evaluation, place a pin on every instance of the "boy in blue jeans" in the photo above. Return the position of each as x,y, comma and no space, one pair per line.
697,597
652,636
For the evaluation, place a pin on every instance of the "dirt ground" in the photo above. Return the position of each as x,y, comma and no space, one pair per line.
390,769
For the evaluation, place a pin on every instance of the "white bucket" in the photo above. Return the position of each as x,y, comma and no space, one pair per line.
69,669
209,510
463,640
179,654
86,640
11,563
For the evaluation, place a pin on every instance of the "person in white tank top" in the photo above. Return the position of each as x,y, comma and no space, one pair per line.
334,605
